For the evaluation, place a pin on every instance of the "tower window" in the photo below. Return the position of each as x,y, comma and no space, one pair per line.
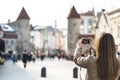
74,24
82,22
70,32
27,26
12,42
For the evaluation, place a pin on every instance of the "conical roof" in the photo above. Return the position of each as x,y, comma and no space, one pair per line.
73,13
23,15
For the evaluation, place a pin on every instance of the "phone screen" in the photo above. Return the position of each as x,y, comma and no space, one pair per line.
86,41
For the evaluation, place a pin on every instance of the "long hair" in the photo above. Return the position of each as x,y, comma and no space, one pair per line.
107,64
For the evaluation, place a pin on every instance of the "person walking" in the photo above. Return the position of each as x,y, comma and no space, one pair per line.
29,57
33,57
14,57
24,58
105,65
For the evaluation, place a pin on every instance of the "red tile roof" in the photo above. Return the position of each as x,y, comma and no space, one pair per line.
10,35
23,15
73,13
89,13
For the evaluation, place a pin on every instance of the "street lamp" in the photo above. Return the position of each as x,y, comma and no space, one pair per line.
71,42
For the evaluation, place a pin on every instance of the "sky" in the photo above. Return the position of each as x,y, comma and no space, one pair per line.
47,12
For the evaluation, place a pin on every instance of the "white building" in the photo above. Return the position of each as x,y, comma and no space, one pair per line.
48,38
9,38
87,20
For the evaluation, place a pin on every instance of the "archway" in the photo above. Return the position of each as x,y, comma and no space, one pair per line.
2,45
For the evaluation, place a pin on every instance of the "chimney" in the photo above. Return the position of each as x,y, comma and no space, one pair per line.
8,20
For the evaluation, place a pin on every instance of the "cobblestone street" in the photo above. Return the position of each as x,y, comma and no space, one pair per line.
55,70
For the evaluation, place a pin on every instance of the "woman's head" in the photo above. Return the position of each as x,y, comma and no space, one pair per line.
105,45
107,64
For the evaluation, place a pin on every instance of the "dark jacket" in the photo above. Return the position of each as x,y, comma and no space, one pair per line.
24,57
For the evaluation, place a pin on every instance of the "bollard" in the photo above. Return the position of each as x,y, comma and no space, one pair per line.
75,72
43,72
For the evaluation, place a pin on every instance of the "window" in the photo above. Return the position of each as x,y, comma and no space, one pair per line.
27,26
6,42
90,21
74,24
70,32
12,41
82,22
21,33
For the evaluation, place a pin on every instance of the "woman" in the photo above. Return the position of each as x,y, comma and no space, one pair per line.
105,65
14,57
24,58
33,57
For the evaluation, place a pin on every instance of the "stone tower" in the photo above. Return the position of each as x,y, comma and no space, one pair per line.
23,31
73,29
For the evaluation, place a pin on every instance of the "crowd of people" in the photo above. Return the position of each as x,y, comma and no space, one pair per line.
12,55
26,56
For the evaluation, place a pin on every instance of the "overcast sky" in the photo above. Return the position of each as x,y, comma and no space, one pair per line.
45,12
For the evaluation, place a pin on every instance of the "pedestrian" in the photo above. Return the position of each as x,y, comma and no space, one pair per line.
14,57
24,58
59,56
33,57
29,57
105,65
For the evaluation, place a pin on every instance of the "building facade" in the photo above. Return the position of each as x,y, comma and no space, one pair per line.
48,38
109,22
8,38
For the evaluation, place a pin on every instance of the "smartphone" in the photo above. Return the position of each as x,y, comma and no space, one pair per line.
85,41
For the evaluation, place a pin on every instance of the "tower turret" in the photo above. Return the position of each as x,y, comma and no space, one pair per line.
73,29
23,31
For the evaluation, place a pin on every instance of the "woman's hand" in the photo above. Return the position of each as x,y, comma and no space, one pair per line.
79,43
91,43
